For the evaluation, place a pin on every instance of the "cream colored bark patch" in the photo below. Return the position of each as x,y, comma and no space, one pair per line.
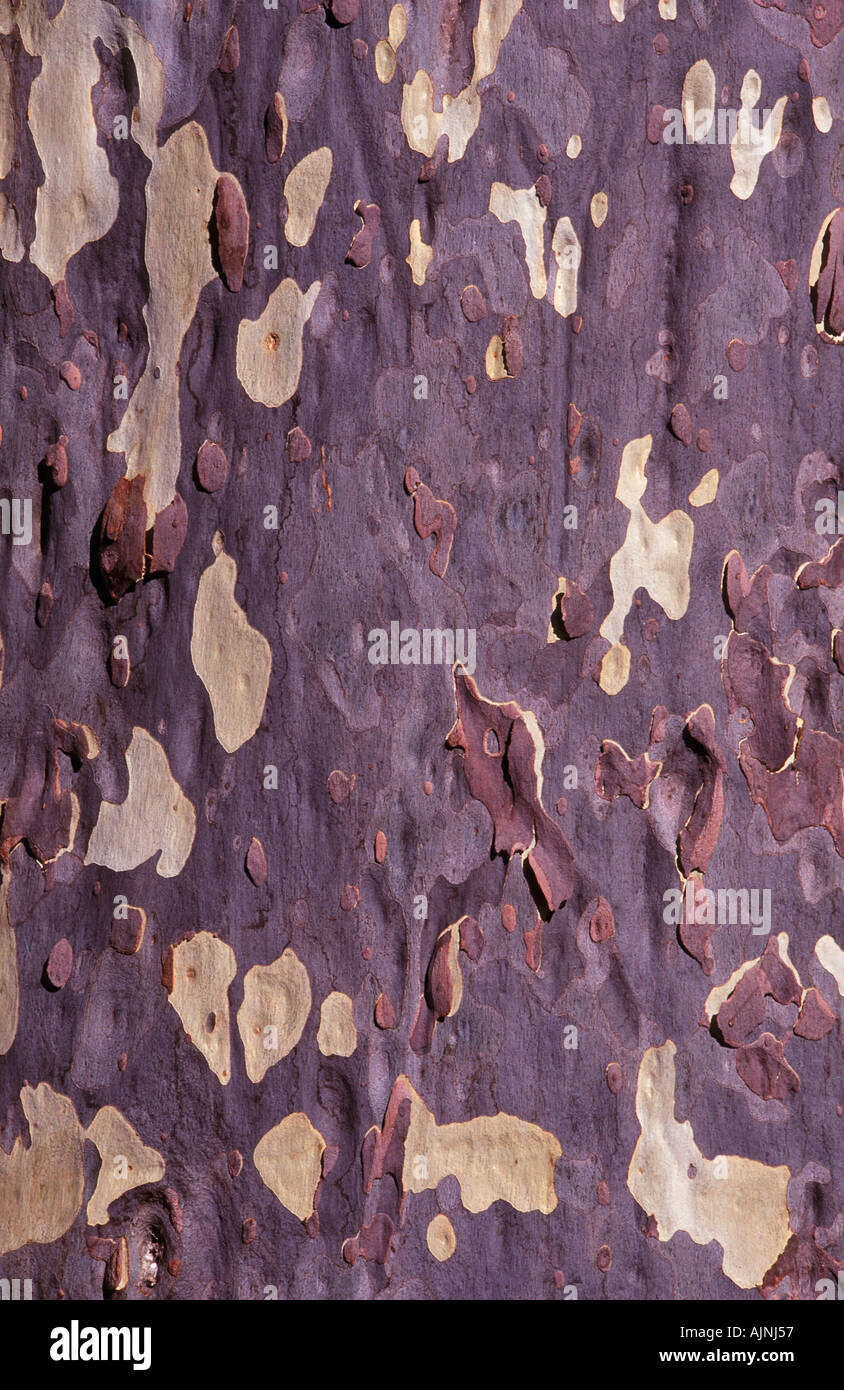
304,189
7,118
386,49
440,1238
275,1008
79,198
156,815
11,246
41,1186
203,968
738,1202
706,490
522,205
574,146
494,359
749,145
280,106
397,26
821,114
566,250
615,669
460,114
337,1036
126,1161
423,126
421,254
232,659
654,556
385,61
9,980
269,349
831,957
495,1158
492,28
698,100
598,209
289,1160
179,197
559,593
455,974
667,9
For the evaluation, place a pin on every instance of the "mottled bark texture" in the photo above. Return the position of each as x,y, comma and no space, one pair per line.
422,719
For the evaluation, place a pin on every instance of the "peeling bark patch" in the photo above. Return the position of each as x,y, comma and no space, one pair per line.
78,200
337,1036
180,195
746,1210
359,253
826,278
125,1162
602,922
275,1009
231,224
304,189
460,115
432,517
440,1238
256,862
420,256
655,556
289,1160
473,304
156,816
275,127
831,957
372,1241
121,538
202,968
231,658
521,205
386,49
494,1157
565,247
269,348
706,490
42,1185
212,467
749,146
699,836
572,615
9,979
59,964
127,932
42,814
509,785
